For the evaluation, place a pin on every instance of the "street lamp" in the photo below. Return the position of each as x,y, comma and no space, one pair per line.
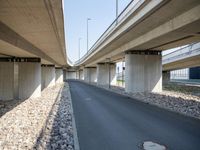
79,48
87,33
116,11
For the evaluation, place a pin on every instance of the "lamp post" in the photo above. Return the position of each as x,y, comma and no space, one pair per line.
87,33
116,11
79,48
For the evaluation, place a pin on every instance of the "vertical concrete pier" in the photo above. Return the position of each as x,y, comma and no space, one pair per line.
20,78
166,76
48,76
105,74
59,75
29,79
143,71
6,80
90,74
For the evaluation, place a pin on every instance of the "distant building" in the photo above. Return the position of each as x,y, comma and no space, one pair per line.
185,74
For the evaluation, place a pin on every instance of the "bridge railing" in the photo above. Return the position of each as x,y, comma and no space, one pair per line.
131,7
184,51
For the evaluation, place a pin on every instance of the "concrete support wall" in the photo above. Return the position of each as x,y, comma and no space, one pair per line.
71,75
90,74
166,76
143,72
29,79
59,75
81,75
6,80
106,74
48,76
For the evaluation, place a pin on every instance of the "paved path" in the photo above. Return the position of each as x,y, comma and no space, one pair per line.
108,121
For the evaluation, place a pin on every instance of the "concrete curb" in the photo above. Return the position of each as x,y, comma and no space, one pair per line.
76,142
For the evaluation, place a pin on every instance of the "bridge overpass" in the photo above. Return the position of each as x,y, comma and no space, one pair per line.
32,47
185,57
138,35
33,54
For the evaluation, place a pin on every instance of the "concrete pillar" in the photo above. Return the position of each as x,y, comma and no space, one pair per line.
20,78
143,71
106,74
48,76
64,75
90,74
166,76
6,80
59,75
81,74
77,75
71,75
29,79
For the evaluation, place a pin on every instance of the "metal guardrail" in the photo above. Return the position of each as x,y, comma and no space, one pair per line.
132,6
185,51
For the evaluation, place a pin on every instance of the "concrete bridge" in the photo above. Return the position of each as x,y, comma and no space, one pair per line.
32,47
185,57
33,53
138,35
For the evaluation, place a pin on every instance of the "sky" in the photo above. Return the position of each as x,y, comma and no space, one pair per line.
76,12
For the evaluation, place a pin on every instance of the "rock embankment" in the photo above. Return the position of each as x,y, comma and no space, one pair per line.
39,123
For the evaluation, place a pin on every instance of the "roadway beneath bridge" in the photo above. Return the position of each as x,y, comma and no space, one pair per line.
108,121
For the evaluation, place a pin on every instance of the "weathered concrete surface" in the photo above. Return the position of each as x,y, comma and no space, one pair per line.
33,28
29,79
59,75
48,76
143,73
90,74
6,80
105,74
70,74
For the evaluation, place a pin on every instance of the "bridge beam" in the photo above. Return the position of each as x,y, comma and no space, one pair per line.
143,71
106,74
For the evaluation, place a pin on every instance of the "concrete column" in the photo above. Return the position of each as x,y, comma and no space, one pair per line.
77,75
29,79
106,74
90,74
71,75
20,78
6,80
143,71
64,75
59,75
166,76
48,76
81,74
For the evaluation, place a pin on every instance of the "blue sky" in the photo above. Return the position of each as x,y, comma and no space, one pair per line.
102,13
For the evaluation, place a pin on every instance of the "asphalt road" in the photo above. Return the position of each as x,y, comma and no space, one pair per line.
108,121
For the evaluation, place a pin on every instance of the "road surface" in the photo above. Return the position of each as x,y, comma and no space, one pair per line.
108,121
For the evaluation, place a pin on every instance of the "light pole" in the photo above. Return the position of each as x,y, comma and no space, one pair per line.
87,33
116,11
79,48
